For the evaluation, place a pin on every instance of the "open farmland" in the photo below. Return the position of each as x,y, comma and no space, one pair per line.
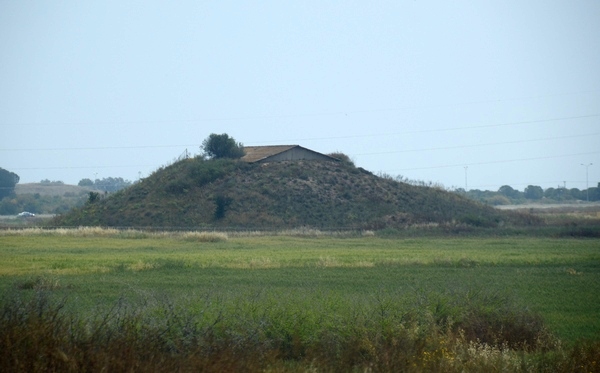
303,290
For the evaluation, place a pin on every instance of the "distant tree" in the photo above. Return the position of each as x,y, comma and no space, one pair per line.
552,193
8,180
558,194
111,184
51,182
508,191
576,193
594,193
222,146
85,183
534,192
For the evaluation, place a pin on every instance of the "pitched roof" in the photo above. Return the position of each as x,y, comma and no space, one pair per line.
257,153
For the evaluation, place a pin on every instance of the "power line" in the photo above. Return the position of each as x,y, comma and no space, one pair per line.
494,162
78,167
103,147
326,138
299,115
479,145
433,130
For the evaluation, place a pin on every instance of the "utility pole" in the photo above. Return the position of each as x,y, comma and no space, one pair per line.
587,188
466,167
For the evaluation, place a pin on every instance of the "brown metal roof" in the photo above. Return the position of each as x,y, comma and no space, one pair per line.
257,153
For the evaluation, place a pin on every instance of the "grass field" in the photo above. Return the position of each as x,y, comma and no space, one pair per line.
298,288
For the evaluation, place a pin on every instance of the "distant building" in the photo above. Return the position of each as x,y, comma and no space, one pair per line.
279,153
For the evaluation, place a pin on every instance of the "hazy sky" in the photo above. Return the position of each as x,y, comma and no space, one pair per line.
423,89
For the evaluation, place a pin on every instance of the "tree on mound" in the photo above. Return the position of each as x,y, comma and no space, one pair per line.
222,146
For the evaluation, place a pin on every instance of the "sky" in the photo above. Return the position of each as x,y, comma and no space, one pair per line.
459,93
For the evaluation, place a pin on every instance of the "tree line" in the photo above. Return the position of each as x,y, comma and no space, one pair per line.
107,184
507,195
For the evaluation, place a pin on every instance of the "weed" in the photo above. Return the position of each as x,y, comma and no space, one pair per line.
204,236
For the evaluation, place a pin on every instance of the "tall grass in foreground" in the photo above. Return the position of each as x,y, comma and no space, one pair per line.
260,334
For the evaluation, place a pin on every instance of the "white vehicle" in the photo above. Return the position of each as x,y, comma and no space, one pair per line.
25,214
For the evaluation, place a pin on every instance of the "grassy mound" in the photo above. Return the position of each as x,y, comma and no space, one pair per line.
327,195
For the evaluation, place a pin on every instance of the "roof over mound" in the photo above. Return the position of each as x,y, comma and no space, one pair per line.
279,153
225,193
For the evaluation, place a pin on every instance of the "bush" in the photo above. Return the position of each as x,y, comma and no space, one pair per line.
93,197
178,186
221,202
342,157
203,172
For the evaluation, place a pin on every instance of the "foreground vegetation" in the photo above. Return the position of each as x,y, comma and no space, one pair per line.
264,334
101,299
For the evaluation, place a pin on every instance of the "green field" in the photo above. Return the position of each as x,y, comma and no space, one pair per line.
312,283
559,278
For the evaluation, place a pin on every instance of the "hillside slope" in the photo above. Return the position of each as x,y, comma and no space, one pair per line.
227,193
